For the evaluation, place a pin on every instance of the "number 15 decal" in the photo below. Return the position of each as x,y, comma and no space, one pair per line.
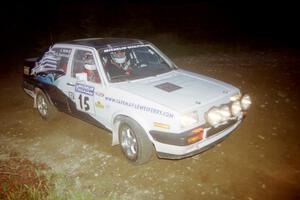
85,103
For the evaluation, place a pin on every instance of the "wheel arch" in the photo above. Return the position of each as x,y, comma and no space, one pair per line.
39,89
116,122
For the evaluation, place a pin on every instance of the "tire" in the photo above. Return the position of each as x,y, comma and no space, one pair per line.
134,142
44,107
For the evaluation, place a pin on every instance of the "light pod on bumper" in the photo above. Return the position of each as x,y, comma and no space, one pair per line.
246,102
214,117
225,112
236,108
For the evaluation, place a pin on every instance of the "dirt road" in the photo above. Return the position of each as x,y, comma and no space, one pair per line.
260,160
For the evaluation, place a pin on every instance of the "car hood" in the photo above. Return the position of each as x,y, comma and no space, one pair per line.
179,90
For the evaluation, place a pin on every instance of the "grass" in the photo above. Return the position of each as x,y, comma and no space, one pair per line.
24,179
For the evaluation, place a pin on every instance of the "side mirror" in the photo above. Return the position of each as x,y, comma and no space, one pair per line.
81,77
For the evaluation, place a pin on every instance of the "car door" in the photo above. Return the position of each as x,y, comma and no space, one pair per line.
84,88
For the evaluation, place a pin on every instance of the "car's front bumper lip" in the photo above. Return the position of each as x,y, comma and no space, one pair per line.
172,151
180,139
189,154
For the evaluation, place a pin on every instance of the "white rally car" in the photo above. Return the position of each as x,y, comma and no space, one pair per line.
131,88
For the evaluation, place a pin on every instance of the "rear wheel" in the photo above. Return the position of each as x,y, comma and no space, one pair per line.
134,142
44,107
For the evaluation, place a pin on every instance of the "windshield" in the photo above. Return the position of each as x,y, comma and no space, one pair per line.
130,63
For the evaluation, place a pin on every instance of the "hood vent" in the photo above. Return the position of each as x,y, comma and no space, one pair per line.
168,87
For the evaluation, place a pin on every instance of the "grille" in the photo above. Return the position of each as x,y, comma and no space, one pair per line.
220,128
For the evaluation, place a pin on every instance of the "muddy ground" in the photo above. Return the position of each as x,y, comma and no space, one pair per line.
260,160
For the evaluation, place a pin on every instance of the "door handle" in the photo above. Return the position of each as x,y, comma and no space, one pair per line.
71,84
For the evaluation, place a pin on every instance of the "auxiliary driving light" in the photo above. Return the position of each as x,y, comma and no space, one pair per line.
246,102
225,112
236,108
214,117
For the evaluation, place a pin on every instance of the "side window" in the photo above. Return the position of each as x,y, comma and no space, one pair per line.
84,62
63,55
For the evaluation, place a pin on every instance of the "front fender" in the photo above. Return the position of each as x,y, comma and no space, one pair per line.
116,121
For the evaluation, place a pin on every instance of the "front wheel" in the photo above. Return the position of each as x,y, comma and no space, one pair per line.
134,141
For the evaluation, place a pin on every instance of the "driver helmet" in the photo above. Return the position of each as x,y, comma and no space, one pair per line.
88,58
118,57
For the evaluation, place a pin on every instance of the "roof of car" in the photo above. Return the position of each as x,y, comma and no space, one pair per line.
103,43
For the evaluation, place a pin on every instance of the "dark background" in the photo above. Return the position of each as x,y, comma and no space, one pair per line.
29,28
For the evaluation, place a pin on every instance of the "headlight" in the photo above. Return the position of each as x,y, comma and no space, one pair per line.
214,117
236,108
246,102
189,119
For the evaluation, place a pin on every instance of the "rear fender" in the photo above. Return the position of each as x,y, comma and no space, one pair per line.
36,90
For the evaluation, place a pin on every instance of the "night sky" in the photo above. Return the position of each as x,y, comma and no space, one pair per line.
31,26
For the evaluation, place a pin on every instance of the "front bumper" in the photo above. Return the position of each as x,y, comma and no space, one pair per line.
174,146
